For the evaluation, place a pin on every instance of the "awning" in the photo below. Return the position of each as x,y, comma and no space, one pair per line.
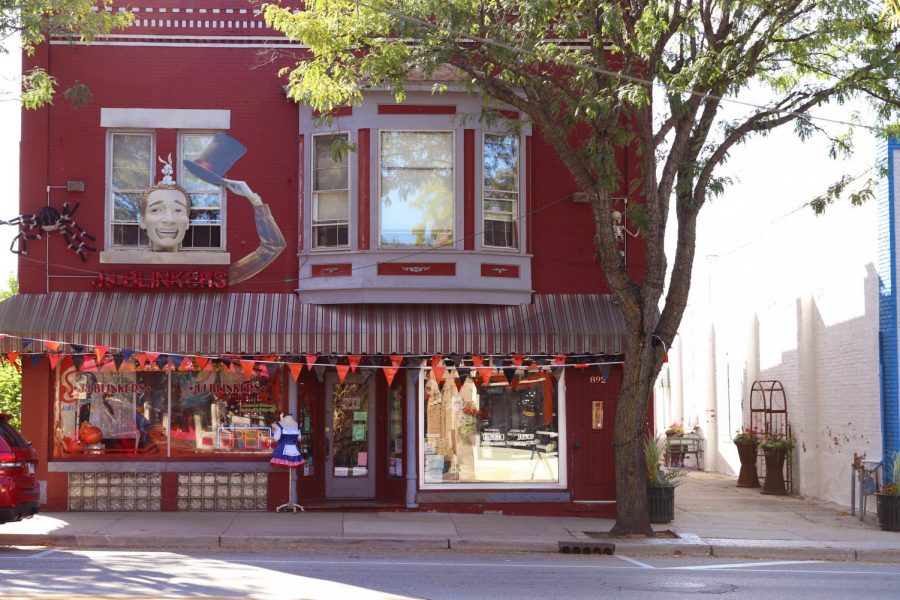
229,323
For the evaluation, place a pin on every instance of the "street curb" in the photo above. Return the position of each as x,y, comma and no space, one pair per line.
233,542
780,552
507,545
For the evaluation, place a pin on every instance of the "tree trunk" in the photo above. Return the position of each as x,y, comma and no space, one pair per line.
632,516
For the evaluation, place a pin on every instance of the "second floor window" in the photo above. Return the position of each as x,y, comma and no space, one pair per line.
417,192
501,190
134,167
331,192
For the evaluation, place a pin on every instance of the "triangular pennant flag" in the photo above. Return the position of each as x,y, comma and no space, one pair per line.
11,357
247,367
559,359
36,360
320,370
26,342
51,346
389,374
127,353
310,361
201,361
518,359
77,359
118,359
354,359
509,373
162,361
108,367
264,370
295,369
396,360
141,358
89,364
77,348
152,356
185,364
437,369
604,372
342,371
463,372
477,361
486,373
54,359
101,352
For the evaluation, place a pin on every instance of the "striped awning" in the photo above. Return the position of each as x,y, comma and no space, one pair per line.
229,323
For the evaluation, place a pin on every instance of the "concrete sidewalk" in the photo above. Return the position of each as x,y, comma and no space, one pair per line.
712,517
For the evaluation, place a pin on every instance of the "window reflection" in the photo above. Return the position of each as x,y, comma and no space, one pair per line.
495,432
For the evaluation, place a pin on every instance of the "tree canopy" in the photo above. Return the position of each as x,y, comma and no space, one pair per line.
35,21
667,68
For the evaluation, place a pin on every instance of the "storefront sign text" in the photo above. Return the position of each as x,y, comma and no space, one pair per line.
162,279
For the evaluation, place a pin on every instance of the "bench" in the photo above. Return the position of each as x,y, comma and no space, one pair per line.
680,446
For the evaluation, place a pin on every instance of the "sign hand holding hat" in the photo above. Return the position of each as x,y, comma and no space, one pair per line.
215,161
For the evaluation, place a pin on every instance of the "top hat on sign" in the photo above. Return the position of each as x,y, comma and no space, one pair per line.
221,153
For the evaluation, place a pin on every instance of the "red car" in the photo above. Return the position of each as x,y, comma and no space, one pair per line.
19,490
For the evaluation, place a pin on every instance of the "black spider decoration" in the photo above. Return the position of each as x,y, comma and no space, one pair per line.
48,219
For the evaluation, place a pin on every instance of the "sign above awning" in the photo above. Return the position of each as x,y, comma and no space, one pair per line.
229,323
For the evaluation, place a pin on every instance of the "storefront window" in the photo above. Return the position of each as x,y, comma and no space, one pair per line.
500,432
395,436
161,413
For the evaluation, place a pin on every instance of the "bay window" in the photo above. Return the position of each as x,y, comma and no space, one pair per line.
417,205
501,190
331,192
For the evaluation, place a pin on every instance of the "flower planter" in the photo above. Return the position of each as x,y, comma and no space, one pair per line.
661,503
748,476
774,483
888,511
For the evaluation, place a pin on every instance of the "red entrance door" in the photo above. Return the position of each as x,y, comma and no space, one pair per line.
591,410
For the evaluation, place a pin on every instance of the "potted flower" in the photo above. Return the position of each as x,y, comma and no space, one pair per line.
676,428
888,498
661,482
747,442
775,447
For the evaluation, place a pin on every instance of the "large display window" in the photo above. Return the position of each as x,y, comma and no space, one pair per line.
216,411
496,432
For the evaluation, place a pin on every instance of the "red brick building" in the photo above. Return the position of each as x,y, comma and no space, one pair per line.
427,318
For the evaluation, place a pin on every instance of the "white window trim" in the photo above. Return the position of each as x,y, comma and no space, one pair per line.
457,202
109,244
223,211
312,194
518,217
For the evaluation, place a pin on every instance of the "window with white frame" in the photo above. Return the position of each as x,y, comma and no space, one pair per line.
207,199
134,167
130,174
501,190
416,205
331,191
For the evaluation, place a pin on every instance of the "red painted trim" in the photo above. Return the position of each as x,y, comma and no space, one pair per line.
363,197
333,270
416,109
495,270
301,180
422,268
469,189
528,187
341,111
508,114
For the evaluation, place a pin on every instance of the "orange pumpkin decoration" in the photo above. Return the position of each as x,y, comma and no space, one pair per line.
90,434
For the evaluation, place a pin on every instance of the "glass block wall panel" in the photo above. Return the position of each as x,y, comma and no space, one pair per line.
223,491
105,492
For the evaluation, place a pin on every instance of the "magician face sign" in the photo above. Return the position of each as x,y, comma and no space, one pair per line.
165,216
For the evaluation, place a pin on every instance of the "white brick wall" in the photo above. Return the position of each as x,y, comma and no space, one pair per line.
783,294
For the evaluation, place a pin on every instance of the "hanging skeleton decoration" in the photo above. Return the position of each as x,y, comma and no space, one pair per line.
48,219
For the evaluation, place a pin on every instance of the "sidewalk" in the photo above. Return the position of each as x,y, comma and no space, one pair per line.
712,517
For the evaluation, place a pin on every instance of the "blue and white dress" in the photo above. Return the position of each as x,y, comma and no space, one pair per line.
287,452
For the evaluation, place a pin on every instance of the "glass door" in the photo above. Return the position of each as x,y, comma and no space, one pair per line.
350,438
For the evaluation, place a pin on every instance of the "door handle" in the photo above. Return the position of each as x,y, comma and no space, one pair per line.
576,446
327,449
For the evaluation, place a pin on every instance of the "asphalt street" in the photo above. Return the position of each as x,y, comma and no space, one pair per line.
73,573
